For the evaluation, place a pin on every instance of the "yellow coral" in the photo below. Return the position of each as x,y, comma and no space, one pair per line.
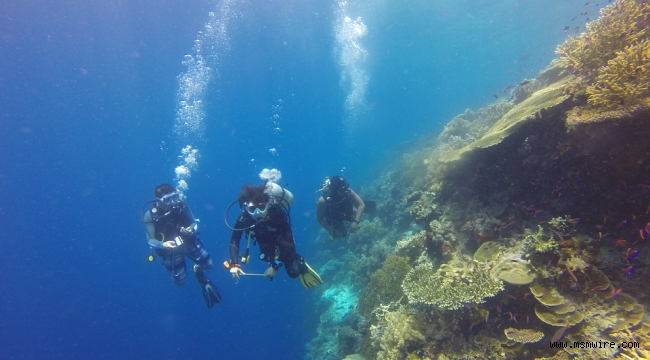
620,25
625,81
612,60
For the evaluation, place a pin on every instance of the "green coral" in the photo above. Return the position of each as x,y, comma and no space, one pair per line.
562,224
451,287
540,243
384,286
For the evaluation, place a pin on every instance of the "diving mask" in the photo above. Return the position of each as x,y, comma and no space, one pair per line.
171,200
257,211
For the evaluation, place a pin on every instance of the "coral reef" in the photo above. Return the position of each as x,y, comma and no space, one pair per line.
524,220
530,109
451,287
621,24
385,284
396,335
608,92
610,61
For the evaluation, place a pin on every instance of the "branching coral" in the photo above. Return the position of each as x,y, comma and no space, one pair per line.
620,25
450,287
612,58
625,81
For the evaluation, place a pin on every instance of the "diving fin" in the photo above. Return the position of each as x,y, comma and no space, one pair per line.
310,278
210,292
371,206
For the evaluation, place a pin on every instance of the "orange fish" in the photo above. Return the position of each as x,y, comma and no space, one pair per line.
620,242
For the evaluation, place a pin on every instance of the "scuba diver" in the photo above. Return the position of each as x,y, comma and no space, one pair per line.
172,231
265,219
339,204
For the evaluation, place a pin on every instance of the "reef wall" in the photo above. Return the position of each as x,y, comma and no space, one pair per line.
521,223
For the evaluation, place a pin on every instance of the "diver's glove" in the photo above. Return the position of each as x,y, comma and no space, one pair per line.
354,227
235,271
270,272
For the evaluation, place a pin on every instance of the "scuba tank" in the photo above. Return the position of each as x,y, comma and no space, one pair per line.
283,196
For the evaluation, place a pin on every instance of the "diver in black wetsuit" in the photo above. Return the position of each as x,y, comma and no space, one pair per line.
172,231
337,205
265,219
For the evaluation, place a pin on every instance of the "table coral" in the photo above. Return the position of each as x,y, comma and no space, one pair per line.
523,335
450,287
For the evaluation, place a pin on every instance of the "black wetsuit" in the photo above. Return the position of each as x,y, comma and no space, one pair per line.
338,209
167,226
275,238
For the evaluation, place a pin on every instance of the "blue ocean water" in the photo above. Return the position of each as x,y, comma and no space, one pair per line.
89,100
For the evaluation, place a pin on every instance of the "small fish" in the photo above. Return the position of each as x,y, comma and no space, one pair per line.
621,224
616,291
629,256
505,90
575,220
620,242
537,212
506,226
642,234
647,228
600,288
628,271
600,236
587,3
558,334
644,186
525,82
566,28
496,96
